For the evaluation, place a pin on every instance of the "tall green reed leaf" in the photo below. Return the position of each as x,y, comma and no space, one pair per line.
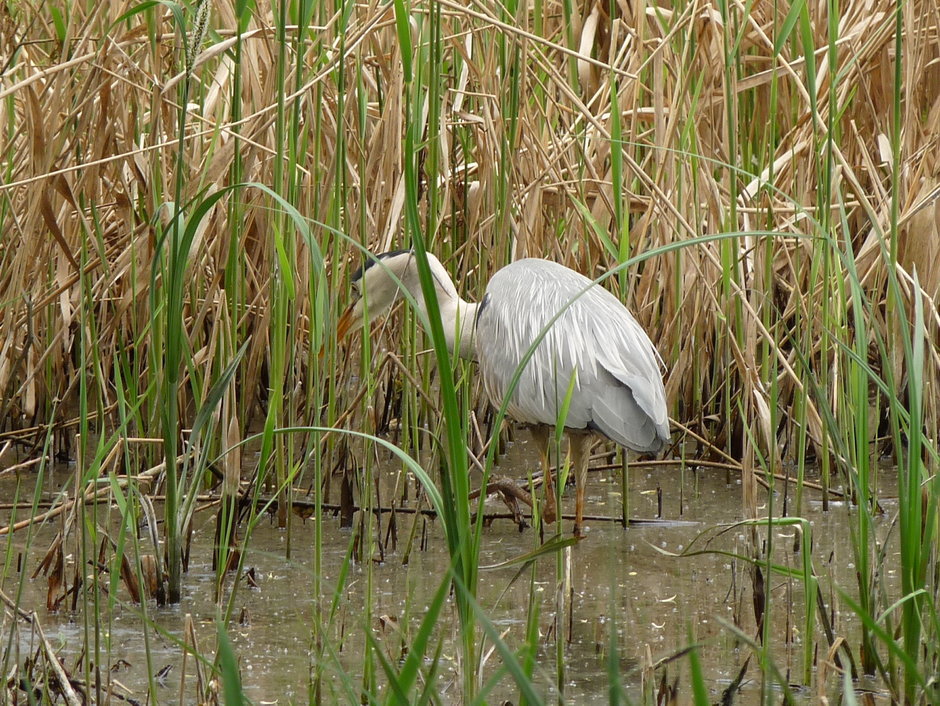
167,320
228,664
455,473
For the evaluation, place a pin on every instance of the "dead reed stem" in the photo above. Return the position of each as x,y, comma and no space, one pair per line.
713,143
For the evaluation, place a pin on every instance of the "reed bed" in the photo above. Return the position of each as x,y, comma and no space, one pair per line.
187,187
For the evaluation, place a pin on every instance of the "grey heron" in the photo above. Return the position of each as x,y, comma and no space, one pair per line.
595,349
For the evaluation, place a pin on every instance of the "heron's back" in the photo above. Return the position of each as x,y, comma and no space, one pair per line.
618,388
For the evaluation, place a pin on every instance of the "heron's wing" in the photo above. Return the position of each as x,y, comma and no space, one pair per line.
616,413
630,400
618,388
520,301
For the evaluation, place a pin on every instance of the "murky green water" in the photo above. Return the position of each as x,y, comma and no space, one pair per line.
655,604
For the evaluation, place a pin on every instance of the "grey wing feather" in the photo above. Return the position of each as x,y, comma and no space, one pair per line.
618,388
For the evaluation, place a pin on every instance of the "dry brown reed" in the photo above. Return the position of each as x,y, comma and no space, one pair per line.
89,136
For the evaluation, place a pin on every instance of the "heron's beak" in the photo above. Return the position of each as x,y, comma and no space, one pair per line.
345,323
343,327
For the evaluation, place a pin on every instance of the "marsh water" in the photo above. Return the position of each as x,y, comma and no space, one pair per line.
625,583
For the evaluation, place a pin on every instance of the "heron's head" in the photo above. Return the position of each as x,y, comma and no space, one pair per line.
376,286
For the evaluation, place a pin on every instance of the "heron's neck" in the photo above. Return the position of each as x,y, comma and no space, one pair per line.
459,319
457,316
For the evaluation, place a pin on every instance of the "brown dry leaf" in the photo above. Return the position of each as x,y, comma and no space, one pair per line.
587,70
152,579
129,577
52,224
231,463
920,245
55,590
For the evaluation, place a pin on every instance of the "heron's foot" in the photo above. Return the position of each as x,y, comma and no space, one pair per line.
513,504
578,532
549,513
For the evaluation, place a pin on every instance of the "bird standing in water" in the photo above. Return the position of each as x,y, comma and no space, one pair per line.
617,388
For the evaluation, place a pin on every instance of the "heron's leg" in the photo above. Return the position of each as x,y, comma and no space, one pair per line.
580,445
541,436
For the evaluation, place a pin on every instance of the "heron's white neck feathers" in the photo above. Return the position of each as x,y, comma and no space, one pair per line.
459,320
457,316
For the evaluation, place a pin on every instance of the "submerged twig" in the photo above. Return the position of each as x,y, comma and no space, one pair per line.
427,512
